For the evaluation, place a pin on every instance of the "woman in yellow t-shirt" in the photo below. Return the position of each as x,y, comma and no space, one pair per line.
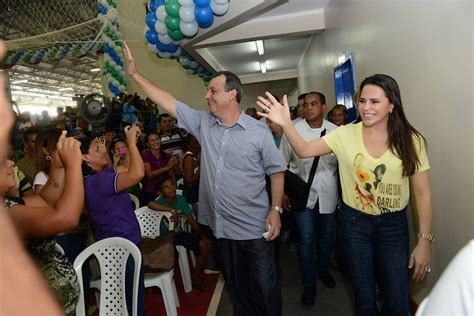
378,158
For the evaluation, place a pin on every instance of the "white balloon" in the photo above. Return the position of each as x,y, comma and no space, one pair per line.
189,29
186,3
186,14
190,71
219,9
177,52
160,27
183,61
164,54
177,43
165,39
220,1
161,13
152,48
193,64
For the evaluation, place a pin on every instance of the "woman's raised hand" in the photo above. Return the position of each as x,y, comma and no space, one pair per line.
275,111
132,133
69,150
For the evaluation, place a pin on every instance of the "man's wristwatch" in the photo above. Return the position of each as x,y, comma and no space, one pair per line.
277,209
429,237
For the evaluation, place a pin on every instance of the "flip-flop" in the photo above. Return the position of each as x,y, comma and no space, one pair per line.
201,286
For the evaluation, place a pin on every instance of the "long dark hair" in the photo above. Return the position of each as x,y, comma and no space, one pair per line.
46,139
401,133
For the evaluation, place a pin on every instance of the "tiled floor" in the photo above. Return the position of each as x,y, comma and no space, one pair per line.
336,301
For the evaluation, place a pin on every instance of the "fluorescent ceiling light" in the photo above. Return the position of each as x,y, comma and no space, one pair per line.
263,67
65,89
95,69
19,81
260,48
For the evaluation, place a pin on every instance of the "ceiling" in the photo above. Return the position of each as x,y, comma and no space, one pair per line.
44,24
285,26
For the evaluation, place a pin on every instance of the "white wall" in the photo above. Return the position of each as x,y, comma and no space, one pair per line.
168,75
253,90
427,46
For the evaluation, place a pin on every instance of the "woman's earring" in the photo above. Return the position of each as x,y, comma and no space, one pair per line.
48,157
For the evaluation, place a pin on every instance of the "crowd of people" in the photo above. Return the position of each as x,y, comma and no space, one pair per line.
232,168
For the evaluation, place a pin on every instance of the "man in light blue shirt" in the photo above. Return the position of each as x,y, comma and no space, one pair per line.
237,152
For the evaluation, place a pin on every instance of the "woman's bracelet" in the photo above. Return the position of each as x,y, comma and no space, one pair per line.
429,237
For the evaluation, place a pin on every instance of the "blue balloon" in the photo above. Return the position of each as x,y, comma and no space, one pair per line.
172,48
206,25
162,47
201,3
17,57
154,4
151,36
204,16
151,20
102,9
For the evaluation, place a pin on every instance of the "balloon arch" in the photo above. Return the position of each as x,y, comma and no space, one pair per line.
169,22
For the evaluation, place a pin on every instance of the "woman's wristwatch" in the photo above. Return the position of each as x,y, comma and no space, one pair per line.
429,237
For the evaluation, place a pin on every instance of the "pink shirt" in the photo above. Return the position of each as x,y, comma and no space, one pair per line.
155,164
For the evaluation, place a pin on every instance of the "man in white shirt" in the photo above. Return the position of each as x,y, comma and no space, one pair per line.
315,224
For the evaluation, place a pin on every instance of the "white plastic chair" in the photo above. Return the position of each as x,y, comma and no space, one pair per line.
112,255
150,227
135,201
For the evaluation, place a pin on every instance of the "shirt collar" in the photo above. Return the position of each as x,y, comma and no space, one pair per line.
242,121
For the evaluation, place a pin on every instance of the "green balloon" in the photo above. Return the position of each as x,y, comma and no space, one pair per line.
175,35
172,8
172,23
28,57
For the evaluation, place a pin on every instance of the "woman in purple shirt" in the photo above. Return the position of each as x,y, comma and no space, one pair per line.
158,165
108,204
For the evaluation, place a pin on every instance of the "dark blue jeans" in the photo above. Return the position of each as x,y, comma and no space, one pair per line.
129,287
250,274
377,251
316,237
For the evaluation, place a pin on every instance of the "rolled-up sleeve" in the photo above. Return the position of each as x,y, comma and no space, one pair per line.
189,118
272,159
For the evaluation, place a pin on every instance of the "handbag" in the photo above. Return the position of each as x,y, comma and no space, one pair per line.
158,253
297,189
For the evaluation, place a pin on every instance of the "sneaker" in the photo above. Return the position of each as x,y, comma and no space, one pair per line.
308,298
327,279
